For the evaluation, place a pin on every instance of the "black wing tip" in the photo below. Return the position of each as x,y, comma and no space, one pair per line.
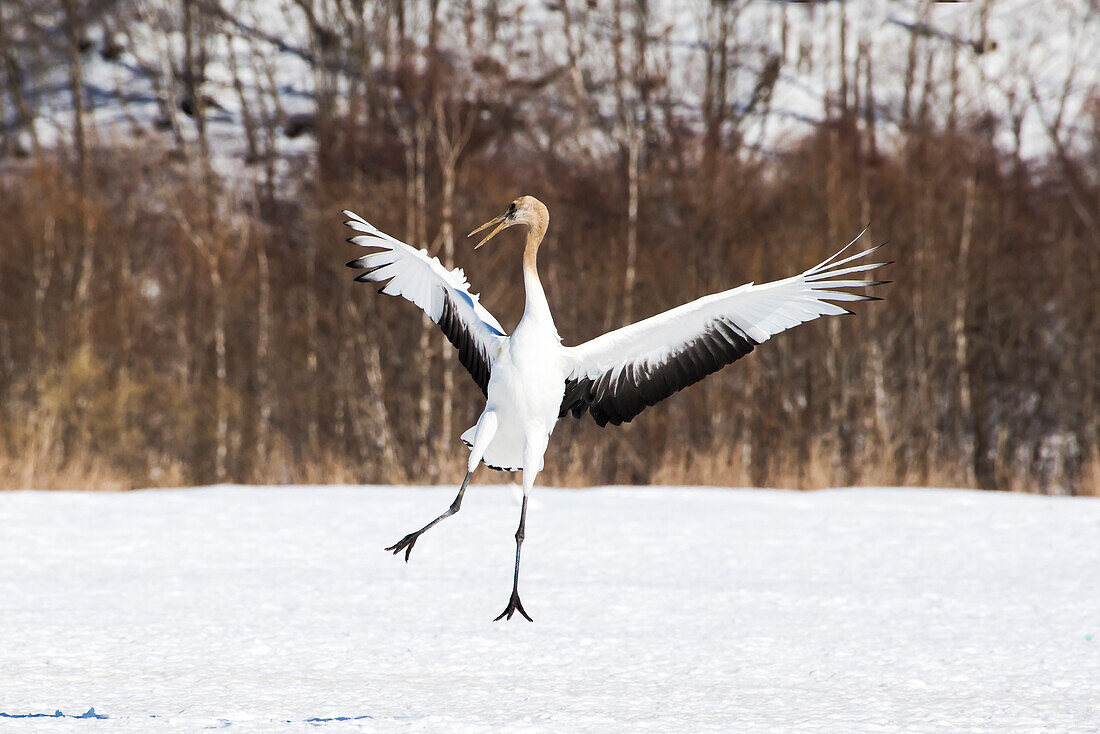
870,250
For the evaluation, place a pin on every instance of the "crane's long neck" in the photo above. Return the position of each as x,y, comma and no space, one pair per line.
536,306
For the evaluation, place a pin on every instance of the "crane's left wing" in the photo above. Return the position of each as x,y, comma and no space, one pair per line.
444,295
619,374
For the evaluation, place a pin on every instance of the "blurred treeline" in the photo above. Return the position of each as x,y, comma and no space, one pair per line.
170,318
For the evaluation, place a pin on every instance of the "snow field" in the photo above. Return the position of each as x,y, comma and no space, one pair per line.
276,609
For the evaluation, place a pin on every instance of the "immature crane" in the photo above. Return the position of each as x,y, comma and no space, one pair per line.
530,380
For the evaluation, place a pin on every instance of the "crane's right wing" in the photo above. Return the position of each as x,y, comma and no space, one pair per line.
444,295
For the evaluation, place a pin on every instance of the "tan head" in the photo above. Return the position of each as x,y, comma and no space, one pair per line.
524,210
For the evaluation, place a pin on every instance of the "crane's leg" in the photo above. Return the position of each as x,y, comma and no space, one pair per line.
532,462
514,604
406,544
486,427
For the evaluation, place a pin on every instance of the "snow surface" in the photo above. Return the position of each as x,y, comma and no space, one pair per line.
276,609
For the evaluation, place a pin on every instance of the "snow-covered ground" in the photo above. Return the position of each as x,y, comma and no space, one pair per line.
276,609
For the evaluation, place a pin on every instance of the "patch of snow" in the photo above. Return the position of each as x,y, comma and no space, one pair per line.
276,609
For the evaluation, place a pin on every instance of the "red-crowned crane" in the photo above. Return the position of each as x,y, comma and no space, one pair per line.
530,380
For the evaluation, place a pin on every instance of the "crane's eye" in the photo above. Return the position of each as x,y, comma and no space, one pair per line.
512,209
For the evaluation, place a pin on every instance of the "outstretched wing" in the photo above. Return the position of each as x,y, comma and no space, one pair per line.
619,374
444,295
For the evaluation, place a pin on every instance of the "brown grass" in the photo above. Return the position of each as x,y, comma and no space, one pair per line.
1090,476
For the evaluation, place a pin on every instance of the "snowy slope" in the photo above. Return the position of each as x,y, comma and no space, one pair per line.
276,609
1039,63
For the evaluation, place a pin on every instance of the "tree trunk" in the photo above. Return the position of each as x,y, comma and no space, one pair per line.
448,160
424,404
247,117
263,349
631,266
964,414
313,437
15,84
73,34
221,412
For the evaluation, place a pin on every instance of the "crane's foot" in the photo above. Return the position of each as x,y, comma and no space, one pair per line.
405,544
514,605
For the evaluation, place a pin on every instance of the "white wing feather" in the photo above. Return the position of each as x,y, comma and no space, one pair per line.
444,295
760,311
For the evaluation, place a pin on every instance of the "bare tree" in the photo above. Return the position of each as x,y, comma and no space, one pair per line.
451,138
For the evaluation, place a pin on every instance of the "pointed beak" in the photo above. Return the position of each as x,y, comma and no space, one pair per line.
501,222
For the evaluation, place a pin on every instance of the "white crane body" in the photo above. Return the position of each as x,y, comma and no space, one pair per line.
526,386
531,380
